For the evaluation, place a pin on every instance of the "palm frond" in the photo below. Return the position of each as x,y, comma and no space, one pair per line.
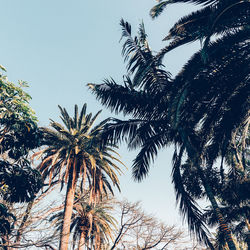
226,13
147,155
117,97
131,47
65,117
76,117
82,115
92,121
159,8
187,205
200,25
120,130
142,35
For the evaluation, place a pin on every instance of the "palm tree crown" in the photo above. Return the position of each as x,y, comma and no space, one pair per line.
77,148
76,152
198,111
91,225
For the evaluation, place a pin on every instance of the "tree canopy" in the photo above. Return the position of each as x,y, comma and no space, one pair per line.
200,111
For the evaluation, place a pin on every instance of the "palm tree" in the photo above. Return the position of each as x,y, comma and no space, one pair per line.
212,89
198,111
91,224
215,90
147,98
76,152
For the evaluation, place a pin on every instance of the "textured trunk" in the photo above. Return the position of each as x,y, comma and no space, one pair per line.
81,241
68,208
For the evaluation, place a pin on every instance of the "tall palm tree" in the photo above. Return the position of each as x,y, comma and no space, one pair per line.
147,98
76,152
91,224
198,111
212,89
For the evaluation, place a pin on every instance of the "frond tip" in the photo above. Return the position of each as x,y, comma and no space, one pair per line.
158,9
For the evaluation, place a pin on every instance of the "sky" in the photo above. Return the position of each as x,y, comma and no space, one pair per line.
59,46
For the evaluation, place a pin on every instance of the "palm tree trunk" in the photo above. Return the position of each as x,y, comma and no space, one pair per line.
68,208
81,241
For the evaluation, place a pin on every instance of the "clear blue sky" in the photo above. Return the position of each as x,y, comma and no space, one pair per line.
58,46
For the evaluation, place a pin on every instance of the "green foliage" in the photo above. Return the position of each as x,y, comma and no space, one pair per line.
19,182
149,102
220,18
18,124
7,220
15,102
18,135
199,110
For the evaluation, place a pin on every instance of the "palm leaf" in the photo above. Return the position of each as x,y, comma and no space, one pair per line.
187,205
147,155
159,8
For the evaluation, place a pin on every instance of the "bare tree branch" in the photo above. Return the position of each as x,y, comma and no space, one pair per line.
138,230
